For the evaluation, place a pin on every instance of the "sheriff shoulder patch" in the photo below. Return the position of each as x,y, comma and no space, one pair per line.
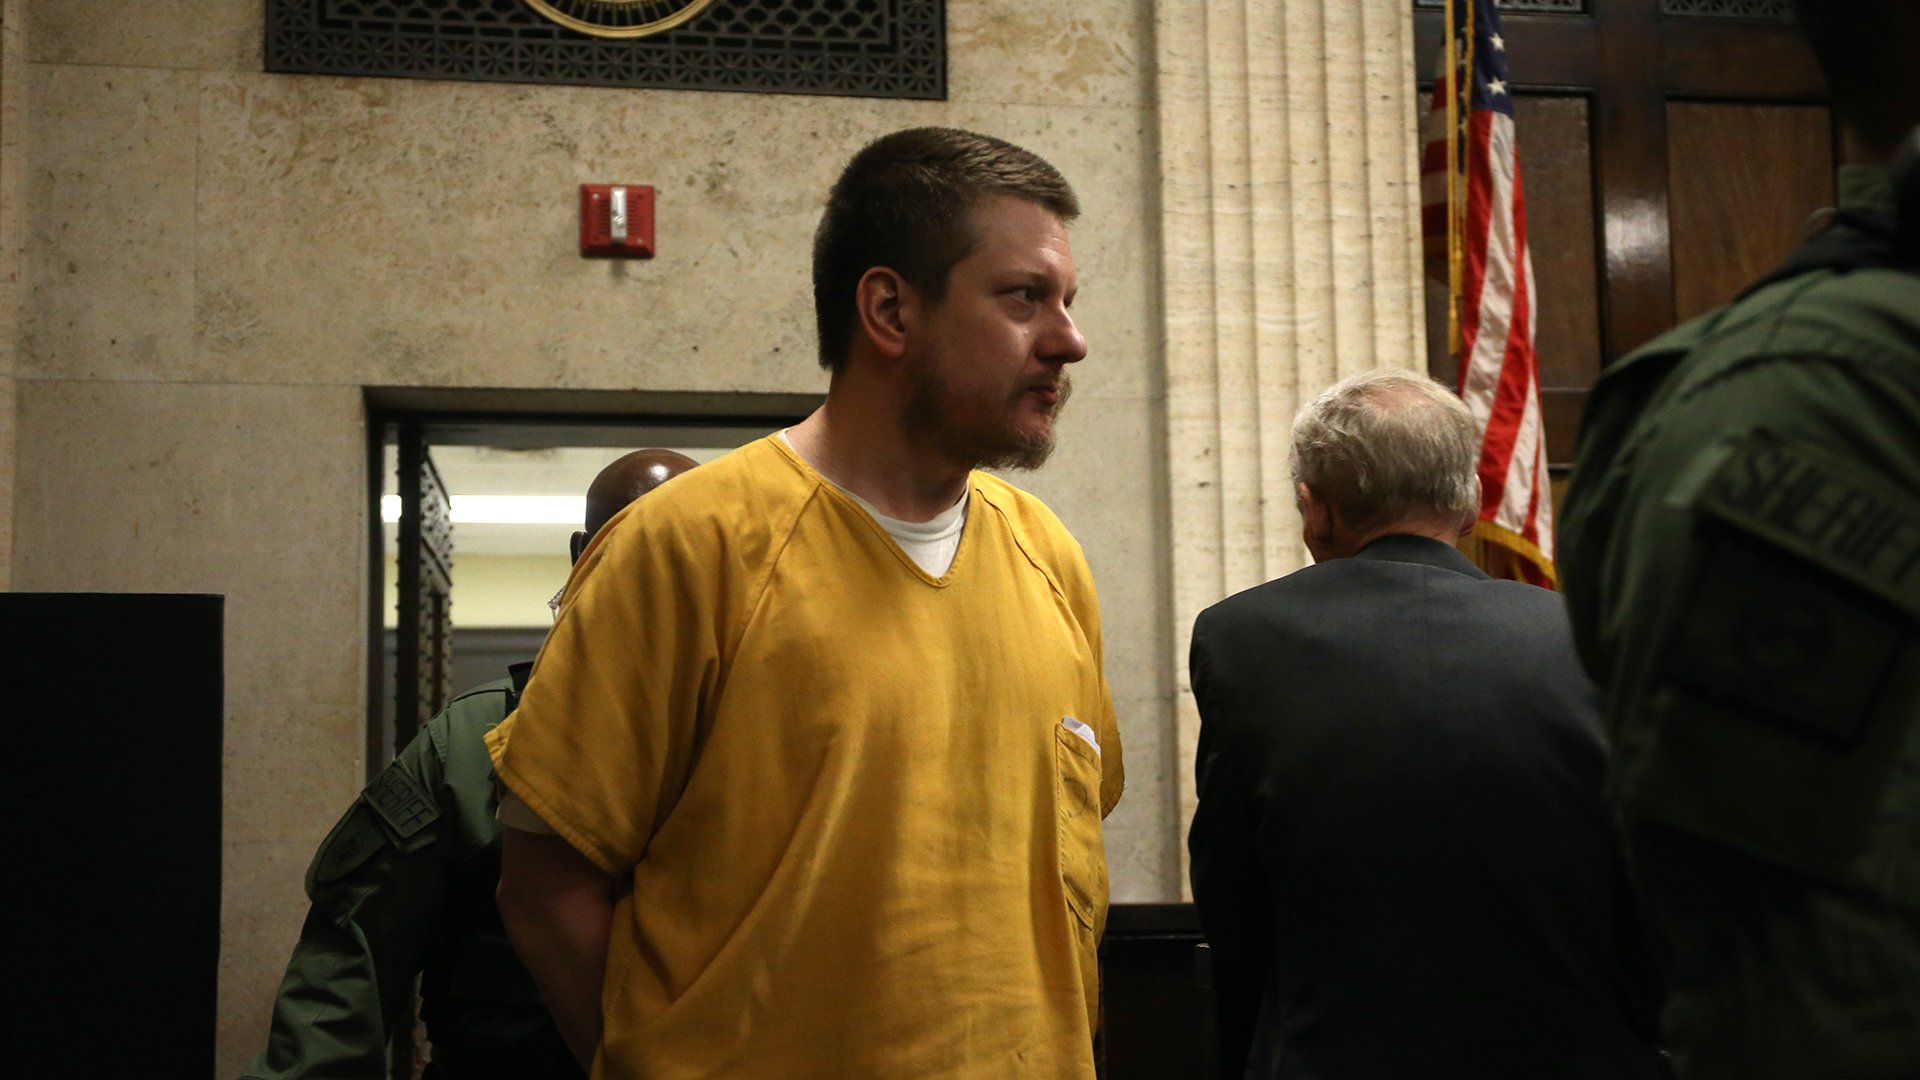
400,802
1808,593
1825,512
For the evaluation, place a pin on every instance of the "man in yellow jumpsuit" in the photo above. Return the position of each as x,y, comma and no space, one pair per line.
809,778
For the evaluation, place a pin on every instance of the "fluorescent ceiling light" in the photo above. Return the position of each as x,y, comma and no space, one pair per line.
504,509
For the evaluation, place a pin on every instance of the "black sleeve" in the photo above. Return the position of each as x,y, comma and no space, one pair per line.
1229,883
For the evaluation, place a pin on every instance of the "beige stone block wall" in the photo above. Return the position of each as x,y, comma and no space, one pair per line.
134,486
190,404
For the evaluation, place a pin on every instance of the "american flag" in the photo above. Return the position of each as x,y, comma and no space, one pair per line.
1474,213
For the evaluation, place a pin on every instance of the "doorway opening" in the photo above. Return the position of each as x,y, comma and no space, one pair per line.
473,497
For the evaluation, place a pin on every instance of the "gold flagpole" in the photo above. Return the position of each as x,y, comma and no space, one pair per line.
1456,186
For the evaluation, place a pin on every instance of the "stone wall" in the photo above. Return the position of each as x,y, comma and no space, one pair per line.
212,262
217,260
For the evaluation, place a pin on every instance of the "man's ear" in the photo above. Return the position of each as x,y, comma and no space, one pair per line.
879,300
1466,525
1315,514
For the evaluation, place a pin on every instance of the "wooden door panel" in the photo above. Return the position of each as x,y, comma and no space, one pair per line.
1556,174
1556,169
1742,179
1749,140
1712,57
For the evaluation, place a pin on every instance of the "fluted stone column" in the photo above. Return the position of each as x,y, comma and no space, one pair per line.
1290,220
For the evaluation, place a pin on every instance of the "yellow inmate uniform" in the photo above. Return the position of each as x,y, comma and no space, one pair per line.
862,833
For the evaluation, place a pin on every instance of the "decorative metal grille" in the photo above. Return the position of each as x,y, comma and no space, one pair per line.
424,656
858,48
1768,10
1531,7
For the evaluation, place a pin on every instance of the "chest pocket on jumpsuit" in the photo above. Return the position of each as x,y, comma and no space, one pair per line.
1083,864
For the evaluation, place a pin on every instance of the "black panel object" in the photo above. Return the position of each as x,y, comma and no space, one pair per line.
1156,1007
114,728
857,48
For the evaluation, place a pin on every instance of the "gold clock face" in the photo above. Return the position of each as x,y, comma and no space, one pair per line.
619,18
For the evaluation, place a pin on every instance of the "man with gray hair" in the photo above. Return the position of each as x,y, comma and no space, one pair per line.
1401,856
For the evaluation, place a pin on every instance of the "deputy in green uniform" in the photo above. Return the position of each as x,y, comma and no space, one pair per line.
403,887
1741,555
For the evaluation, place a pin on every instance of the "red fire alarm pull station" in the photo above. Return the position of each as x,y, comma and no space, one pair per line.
616,221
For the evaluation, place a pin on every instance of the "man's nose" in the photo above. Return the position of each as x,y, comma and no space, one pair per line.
1064,343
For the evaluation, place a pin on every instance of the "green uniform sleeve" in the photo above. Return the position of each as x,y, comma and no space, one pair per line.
375,885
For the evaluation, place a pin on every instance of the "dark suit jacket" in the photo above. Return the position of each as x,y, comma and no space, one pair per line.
1401,856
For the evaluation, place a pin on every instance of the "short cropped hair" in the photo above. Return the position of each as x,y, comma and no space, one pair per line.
1386,446
905,202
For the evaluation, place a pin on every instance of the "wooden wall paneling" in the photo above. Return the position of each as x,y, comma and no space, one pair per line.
1742,59
1631,151
1556,171
1439,364
1628,61
1743,178
1553,51
1556,174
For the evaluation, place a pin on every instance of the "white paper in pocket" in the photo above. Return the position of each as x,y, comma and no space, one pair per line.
1081,730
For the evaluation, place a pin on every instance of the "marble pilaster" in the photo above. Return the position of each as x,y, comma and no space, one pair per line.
1290,233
